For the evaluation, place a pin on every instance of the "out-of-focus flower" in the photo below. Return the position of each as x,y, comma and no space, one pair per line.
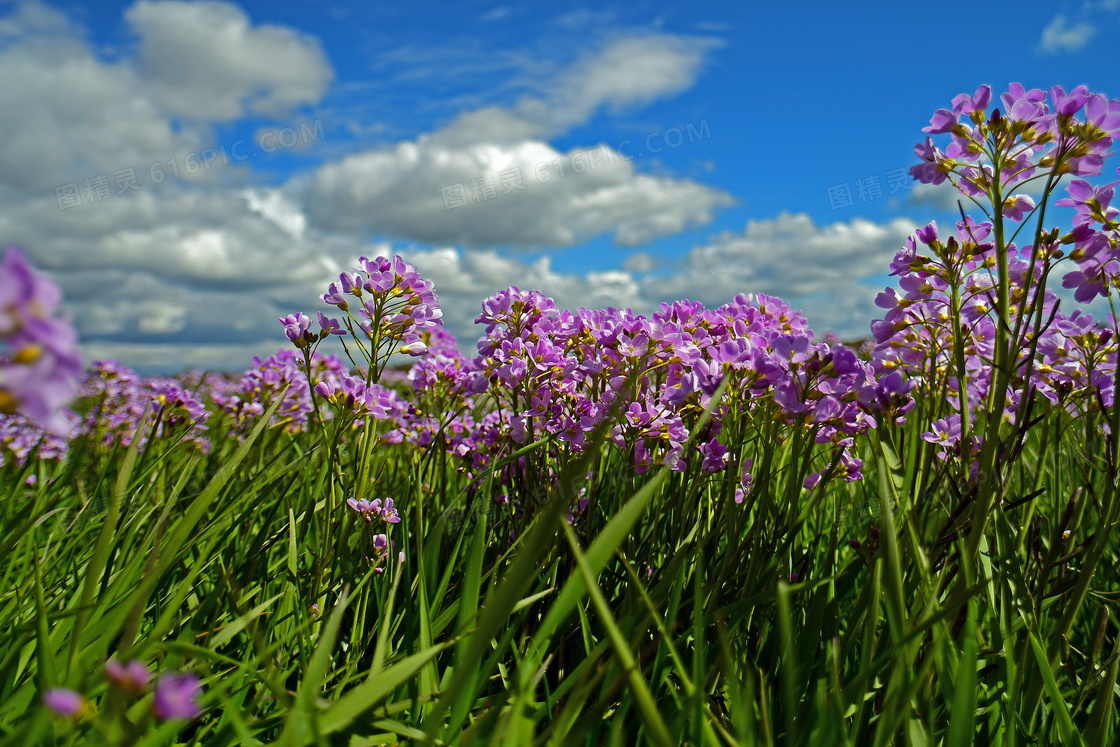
176,697
39,362
65,702
133,676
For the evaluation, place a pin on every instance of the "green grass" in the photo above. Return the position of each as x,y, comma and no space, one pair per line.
666,613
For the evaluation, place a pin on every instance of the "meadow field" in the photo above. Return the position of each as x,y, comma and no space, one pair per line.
699,526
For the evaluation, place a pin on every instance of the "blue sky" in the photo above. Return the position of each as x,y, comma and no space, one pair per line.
723,138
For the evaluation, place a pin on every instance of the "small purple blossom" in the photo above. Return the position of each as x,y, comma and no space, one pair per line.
945,432
133,676
176,697
65,702
297,328
39,361
368,509
1016,206
328,326
389,513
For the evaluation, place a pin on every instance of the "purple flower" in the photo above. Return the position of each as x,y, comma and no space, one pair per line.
1016,206
388,513
1023,105
965,104
1103,115
297,329
39,361
133,676
1092,203
329,326
942,121
65,702
368,509
945,432
929,171
1067,106
176,697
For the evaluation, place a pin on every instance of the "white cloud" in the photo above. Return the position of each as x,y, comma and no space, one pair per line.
195,271
400,191
790,257
1060,37
271,204
942,197
33,17
628,72
639,263
66,115
832,272
204,60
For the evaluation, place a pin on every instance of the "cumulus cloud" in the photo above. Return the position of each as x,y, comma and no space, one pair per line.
204,60
627,72
183,269
639,262
1061,36
831,272
34,17
522,195
65,114
195,270
789,256
941,197
490,179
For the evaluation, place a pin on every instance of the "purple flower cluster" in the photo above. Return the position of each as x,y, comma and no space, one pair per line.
375,509
125,406
560,373
379,544
1076,363
1028,135
175,696
20,438
1095,239
387,304
352,396
1037,136
261,384
1075,357
973,284
39,362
